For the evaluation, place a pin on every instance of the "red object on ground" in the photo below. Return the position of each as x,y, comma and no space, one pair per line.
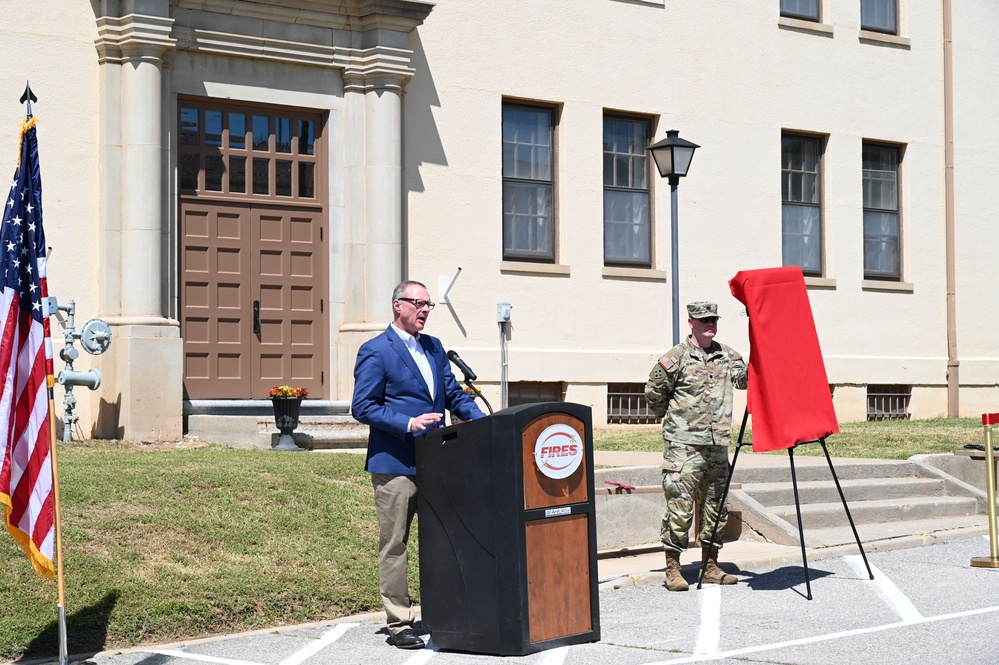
789,396
990,418
621,485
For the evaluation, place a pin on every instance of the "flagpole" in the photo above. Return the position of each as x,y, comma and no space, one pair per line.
58,524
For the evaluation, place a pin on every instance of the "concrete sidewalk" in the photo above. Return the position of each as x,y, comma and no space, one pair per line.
637,573
646,565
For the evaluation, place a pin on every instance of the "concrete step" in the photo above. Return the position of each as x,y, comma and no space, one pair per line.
824,491
322,425
829,514
928,528
808,469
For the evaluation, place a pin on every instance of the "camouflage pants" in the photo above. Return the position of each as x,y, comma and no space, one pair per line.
693,474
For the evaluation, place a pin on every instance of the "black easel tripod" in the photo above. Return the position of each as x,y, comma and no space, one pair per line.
797,504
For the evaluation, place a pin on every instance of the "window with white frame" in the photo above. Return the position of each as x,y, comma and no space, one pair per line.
881,214
804,9
801,210
627,229
879,16
528,183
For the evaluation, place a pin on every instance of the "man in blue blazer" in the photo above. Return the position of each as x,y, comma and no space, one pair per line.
402,385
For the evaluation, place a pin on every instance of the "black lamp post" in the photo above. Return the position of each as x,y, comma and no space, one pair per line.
673,156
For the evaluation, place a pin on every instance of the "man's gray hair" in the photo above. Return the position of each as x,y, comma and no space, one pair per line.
402,286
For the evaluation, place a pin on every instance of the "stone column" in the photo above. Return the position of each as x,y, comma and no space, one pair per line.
142,394
373,85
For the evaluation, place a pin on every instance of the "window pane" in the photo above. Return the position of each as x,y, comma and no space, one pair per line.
260,176
282,177
527,220
282,134
881,246
625,156
880,177
801,213
626,227
800,240
237,174
527,143
237,131
807,9
213,173
213,128
189,165
306,180
261,132
306,137
878,15
189,127
800,177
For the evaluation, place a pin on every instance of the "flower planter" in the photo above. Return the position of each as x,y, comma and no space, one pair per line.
286,410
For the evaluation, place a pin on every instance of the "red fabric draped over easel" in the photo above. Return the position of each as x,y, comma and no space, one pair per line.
789,396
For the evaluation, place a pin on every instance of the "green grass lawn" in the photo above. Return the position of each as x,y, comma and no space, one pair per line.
163,543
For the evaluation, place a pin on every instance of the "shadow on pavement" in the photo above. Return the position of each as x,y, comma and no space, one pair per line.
86,631
782,579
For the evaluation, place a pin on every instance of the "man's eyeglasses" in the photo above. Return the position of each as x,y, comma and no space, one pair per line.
419,304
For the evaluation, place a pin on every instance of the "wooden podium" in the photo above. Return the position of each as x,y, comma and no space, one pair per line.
507,523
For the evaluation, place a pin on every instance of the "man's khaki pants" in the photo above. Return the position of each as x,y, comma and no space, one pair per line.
395,502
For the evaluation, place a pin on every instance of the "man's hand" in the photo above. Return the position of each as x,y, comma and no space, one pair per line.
420,423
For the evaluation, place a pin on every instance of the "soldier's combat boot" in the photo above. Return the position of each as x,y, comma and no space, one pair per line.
712,573
674,580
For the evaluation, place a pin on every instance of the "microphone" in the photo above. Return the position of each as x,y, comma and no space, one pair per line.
460,364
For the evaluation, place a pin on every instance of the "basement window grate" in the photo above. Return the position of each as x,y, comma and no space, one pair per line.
626,405
888,402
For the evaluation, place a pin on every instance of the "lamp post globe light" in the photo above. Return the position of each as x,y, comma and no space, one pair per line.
673,156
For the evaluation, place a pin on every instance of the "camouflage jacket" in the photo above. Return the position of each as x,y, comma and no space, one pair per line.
692,390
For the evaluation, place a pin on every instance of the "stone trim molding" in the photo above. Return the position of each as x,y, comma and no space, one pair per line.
355,15
814,27
252,46
133,37
529,268
139,36
375,68
883,285
620,272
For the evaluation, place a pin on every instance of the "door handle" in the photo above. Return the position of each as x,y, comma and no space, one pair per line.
256,317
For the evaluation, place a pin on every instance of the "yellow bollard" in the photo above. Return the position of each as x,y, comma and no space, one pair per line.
988,420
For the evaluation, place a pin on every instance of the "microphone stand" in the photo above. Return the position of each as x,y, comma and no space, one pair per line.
468,382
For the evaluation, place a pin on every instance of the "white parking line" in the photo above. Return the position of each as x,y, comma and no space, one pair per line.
898,600
331,636
174,653
420,657
825,638
554,656
710,633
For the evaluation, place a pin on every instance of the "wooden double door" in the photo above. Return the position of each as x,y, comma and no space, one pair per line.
252,300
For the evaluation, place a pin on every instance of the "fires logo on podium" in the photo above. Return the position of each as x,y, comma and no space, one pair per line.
558,451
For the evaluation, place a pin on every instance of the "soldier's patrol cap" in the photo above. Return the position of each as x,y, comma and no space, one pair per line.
702,309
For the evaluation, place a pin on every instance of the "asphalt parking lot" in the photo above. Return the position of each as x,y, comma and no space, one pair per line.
926,605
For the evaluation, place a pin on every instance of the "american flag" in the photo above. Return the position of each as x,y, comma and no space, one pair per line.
26,483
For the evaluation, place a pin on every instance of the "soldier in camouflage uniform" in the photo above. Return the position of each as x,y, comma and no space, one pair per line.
691,388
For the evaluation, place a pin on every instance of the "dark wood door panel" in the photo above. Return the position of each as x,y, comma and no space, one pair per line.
231,257
214,300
